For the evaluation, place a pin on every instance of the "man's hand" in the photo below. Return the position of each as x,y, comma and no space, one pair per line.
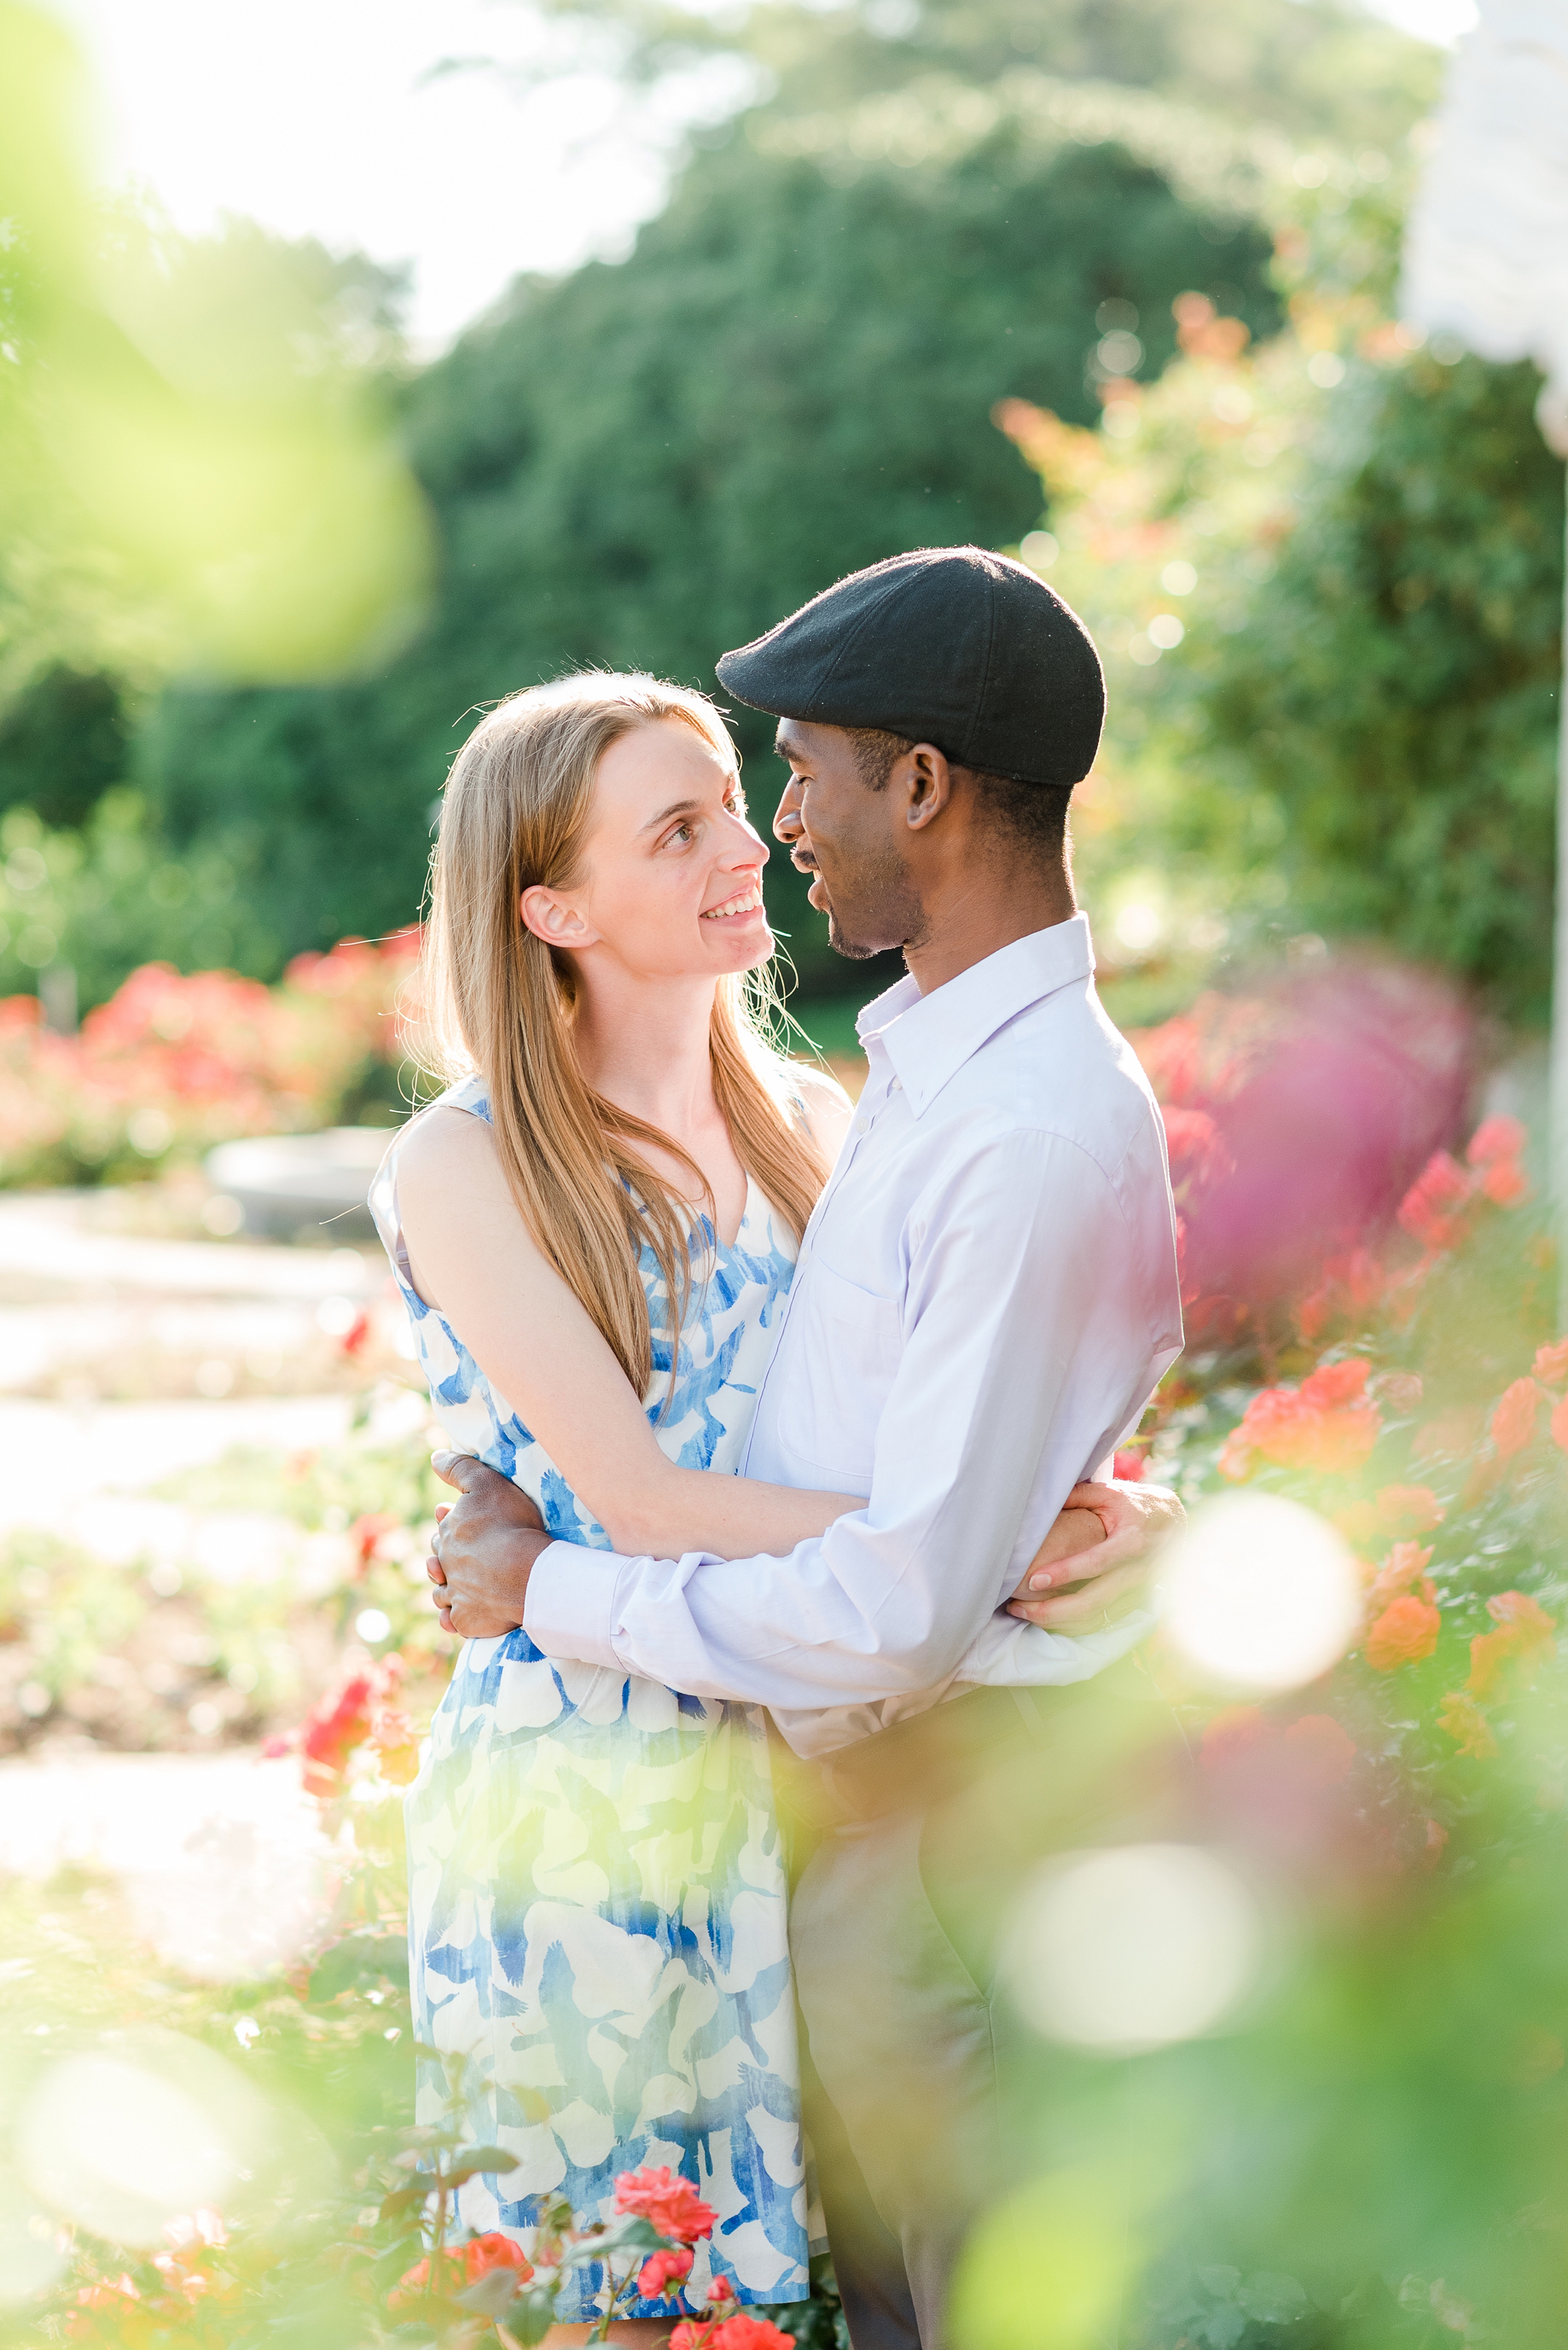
486,1546
1107,1572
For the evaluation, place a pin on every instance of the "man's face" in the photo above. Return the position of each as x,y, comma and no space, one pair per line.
851,838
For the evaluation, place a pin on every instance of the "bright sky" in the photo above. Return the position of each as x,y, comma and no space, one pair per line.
322,118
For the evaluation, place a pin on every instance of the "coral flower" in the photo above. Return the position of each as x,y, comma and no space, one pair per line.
740,2332
1558,1424
1324,1744
1404,1566
1524,1636
672,2204
1461,1719
663,2273
1429,1211
463,2264
1505,1183
1514,1422
1495,1137
1405,1634
1551,1363
1413,1508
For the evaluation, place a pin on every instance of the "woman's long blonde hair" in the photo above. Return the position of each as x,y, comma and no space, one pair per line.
496,1000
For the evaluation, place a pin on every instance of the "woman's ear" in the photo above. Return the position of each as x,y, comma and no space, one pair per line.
553,919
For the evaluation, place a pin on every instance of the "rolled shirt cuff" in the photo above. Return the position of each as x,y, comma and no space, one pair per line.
569,1610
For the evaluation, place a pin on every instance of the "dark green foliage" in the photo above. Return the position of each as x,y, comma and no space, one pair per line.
63,743
638,466
1397,686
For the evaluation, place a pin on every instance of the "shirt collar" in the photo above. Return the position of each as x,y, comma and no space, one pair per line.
929,1038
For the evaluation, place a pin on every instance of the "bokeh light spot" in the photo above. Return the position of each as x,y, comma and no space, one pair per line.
1132,1947
1259,1593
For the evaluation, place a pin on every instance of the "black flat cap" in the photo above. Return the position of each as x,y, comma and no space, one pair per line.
950,645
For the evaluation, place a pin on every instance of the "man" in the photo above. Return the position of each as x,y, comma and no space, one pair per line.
987,1293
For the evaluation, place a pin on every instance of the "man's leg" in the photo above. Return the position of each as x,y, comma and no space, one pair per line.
867,2258
901,2039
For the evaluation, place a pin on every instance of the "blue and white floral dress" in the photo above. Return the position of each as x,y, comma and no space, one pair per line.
596,1895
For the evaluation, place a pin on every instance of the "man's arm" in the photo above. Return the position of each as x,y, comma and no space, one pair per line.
1028,1339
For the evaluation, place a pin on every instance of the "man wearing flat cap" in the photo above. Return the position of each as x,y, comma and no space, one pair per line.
986,1296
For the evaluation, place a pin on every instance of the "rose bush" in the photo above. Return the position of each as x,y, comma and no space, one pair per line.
174,1062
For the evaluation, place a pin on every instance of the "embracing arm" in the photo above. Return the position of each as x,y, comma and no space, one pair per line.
1028,1348
472,1255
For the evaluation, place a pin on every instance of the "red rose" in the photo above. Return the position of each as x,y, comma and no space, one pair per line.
663,2273
670,2204
743,2332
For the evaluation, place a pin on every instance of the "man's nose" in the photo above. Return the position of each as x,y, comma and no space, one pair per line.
787,822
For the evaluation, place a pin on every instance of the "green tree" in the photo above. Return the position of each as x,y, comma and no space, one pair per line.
791,377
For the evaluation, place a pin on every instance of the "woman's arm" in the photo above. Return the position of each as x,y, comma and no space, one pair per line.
472,1257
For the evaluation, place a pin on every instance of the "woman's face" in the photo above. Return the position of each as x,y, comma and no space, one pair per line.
671,884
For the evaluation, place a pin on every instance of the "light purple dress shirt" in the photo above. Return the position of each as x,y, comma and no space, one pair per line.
986,1296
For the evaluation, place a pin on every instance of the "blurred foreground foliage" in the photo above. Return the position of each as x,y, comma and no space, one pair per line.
196,468
1355,2141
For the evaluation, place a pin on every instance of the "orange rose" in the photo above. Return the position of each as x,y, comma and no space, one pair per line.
1413,1508
1524,1636
1514,1422
1405,1565
1326,1745
1558,1423
1461,1719
1505,1183
1551,1363
1405,1634
1496,1138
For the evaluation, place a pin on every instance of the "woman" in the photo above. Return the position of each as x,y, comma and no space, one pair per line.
614,1186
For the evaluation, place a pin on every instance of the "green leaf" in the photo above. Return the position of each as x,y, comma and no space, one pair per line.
531,2315
359,1958
633,2233
492,2295
405,2198
1276,2300
471,2161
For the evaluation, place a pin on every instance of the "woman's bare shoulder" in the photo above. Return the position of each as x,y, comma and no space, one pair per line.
440,1143
828,1109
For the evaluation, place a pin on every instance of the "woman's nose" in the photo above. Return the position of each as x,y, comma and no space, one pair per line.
745,846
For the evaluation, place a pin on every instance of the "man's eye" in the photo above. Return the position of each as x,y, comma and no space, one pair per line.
681,832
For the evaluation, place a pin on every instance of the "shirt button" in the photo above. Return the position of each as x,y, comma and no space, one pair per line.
862,1123
896,1087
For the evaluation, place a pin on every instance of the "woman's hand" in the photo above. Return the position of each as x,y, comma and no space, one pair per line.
1094,1564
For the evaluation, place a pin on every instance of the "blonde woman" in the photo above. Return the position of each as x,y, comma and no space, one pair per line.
614,1185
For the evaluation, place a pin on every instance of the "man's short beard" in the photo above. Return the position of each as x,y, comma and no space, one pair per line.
888,913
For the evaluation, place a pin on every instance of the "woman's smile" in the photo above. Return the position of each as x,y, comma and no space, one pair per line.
744,902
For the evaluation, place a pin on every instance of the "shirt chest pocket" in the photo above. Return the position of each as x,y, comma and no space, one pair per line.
837,1377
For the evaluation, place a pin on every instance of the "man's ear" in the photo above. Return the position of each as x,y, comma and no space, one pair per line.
554,919
926,780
